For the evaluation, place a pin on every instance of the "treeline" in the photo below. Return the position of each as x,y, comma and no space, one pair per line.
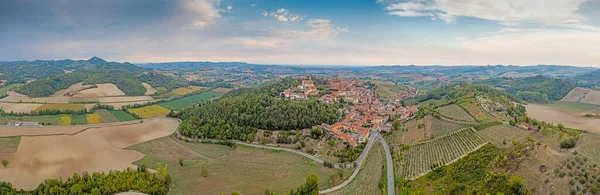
101,183
538,89
215,83
158,80
44,112
236,117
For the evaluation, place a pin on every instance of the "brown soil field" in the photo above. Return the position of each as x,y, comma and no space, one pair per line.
17,97
221,90
103,90
558,115
583,95
15,107
149,89
94,150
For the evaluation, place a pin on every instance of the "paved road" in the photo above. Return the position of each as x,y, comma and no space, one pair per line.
390,166
359,163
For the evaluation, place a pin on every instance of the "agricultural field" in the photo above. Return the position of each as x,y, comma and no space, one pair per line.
414,133
472,107
7,88
93,118
61,107
106,117
149,111
186,90
556,115
425,85
9,144
79,119
19,107
502,135
441,127
456,112
388,90
103,90
122,115
583,95
574,106
191,100
220,89
47,119
98,149
64,120
368,179
229,170
422,157
149,89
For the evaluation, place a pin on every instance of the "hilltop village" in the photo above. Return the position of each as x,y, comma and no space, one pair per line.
364,114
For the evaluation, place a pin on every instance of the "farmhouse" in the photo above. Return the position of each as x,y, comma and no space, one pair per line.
14,123
526,126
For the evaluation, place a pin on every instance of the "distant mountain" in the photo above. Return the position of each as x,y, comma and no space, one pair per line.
21,71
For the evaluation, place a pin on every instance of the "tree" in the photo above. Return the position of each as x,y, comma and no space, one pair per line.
204,172
5,163
181,162
561,126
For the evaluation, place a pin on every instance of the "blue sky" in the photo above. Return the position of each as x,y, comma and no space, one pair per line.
331,32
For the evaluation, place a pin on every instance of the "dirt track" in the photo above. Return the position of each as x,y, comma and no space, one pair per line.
92,150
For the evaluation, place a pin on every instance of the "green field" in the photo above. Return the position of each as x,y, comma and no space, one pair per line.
191,100
574,106
9,144
243,169
440,127
425,85
106,117
502,135
8,87
79,119
52,119
122,115
456,112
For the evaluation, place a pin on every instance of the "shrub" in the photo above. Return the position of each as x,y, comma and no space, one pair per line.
568,143
181,162
204,172
5,163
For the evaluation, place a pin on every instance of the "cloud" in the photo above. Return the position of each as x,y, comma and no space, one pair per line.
229,7
284,15
265,13
202,12
507,12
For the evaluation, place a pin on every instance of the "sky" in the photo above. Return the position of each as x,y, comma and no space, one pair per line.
310,32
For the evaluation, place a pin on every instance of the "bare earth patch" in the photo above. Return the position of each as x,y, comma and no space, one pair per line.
583,95
103,90
149,89
222,89
17,108
94,150
559,115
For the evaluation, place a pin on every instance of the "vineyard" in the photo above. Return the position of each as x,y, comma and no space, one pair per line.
420,158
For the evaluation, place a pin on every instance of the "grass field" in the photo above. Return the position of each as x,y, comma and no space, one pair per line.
574,106
456,112
149,111
61,107
186,90
52,119
9,144
388,89
122,115
367,180
472,107
191,100
244,170
440,127
64,120
93,118
503,133
9,87
425,85
106,117
79,119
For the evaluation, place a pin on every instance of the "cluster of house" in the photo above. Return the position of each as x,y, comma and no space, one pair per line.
306,89
366,114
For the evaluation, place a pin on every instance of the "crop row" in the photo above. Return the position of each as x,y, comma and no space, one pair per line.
423,157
